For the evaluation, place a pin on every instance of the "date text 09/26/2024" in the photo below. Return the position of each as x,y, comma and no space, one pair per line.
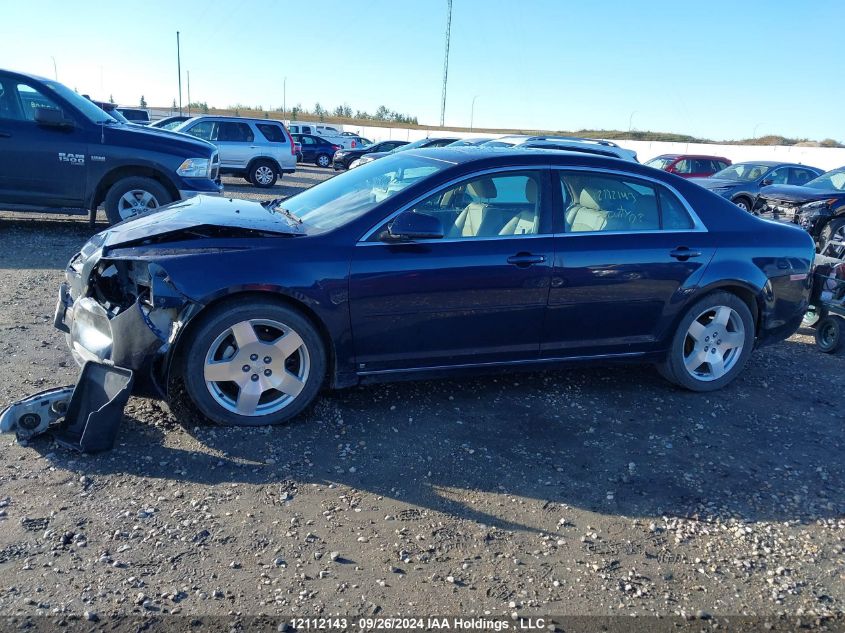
428,623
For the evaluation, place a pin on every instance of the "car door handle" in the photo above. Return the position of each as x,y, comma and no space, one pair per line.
5,134
524,260
683,253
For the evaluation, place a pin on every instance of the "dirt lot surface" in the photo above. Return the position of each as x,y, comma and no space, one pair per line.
588,491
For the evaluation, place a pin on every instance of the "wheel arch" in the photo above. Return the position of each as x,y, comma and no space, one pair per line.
130,171
264,159
279,296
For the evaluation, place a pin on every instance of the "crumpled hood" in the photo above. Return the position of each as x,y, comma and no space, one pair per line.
796,193
196,212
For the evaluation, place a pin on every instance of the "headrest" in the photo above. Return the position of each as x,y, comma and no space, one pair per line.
586,200
531,191
482,188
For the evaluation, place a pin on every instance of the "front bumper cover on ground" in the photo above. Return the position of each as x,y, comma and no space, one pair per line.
84,417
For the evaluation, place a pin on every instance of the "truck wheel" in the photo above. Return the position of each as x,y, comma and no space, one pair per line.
833,229
323,160
134,195
263,174
252,363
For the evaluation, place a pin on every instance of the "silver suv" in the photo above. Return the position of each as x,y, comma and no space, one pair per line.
260,150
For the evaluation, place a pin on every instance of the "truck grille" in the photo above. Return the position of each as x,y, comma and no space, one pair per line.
215,166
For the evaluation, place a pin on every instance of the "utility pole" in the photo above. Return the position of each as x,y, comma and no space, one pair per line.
284,97
55,72
189,92
472,112
446,63
179,70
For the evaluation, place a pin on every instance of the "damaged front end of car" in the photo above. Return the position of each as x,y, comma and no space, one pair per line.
122,309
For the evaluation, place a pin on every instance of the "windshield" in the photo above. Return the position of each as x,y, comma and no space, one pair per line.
659,162
831,181
745,172
116,115
88,109
347,197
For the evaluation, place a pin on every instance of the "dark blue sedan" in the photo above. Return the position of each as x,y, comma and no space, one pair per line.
316,149
428,263
741,182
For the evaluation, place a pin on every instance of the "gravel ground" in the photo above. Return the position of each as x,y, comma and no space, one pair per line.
592,491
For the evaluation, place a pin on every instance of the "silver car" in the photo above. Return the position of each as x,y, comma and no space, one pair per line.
260,150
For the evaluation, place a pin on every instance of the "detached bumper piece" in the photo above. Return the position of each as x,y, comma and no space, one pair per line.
84,417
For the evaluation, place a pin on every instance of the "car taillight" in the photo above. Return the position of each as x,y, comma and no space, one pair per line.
354,145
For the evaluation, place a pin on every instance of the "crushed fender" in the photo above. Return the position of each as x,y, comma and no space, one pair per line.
84,417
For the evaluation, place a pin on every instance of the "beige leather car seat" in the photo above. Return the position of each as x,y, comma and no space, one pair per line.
469,221
524,222
585,215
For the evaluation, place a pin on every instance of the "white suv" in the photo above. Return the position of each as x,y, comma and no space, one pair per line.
260,150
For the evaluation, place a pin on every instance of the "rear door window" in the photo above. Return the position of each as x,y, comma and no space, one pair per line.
234,132
595,202
683,166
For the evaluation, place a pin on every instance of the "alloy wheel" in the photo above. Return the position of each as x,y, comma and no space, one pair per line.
263,175
256,367
136,201
713,343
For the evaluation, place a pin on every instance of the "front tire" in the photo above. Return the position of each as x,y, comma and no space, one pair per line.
323,160
263,174
256,364
833,229
134,195
713,341
743,203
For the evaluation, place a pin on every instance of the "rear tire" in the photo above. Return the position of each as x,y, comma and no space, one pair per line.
252,363
134,195
829,334
323,160
263,174
713,341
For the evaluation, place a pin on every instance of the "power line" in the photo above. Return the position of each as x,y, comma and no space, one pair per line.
446,64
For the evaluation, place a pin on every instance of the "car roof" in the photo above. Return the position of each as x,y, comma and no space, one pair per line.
505,156
236,118
691,156
771,163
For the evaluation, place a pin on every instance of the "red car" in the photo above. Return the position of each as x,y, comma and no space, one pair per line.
689,165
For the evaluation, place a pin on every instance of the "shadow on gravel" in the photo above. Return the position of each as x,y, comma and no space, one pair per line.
507,450
45,243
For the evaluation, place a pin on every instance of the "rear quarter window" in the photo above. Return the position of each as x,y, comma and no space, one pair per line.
272,133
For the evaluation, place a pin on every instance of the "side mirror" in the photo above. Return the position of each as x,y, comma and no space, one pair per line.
50,117
766,181
415,226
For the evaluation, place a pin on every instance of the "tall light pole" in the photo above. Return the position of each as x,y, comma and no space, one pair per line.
179,70
284,97
755,131
631,120
55,72
446,64
472,112
189,92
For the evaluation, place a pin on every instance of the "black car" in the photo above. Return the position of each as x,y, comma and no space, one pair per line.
741,182
316,149
423,143
345,157
817,206
60,152
433,263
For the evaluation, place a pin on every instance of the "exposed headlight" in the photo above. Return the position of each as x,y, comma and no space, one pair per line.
340,154
365,159
195,168
818,204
